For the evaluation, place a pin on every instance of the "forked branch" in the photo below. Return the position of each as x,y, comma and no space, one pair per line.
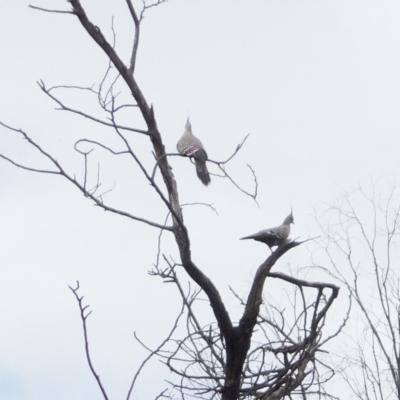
222,166
59,170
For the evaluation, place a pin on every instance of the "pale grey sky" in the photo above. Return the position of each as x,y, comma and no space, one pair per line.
317,86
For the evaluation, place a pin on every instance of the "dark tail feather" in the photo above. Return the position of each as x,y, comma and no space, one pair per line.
247,237
202,172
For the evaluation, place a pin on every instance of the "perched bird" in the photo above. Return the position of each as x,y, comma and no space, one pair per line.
189,145
274,236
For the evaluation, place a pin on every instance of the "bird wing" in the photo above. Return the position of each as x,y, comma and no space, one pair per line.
274,232
266,233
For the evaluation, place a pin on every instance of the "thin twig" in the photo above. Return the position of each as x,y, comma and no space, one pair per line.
222,166
97,144
78,112
73,180
135,47
51,11
84,317
146,7
154,352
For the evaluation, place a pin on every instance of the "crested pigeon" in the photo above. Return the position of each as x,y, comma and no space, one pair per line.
274,236
189,145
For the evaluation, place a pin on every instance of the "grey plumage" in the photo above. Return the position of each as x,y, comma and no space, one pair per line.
274,236
189,145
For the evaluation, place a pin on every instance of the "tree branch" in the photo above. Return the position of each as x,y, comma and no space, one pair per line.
180,230
51,11
254,299
136,38
73,180
63,107
84,317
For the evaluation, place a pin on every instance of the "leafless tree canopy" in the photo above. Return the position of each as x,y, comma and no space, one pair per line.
361,246
269,353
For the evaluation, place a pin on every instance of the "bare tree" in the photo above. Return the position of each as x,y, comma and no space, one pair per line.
361,243
266,354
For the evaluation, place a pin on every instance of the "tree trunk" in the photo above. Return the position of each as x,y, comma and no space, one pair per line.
237,346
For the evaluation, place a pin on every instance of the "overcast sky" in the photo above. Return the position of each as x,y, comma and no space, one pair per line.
315,83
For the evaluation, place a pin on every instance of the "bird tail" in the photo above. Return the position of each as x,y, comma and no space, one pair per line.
202,172
247,237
